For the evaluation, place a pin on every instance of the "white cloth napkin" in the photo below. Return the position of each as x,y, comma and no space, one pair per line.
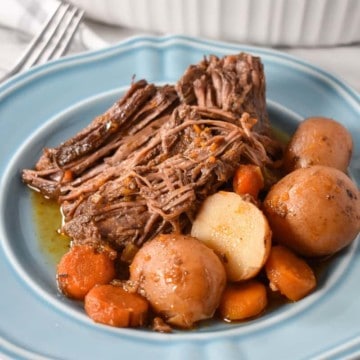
28,17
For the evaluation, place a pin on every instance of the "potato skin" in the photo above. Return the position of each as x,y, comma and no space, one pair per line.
315,211
319,141
181,277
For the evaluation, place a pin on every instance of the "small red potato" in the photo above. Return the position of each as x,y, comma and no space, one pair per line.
182,278
319,141
314,211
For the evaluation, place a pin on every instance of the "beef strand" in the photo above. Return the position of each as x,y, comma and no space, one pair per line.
234,83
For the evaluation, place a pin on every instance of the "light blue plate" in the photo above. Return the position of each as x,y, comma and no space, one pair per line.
48,104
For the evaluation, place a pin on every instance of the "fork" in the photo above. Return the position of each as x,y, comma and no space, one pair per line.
52,40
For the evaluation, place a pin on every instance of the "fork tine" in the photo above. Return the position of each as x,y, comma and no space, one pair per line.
33,44
53,39
48,36
66,35
69,35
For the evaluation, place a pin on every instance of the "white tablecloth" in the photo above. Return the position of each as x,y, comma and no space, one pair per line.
342,61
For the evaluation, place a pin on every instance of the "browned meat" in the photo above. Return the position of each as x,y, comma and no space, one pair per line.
145,166
234,83
140,107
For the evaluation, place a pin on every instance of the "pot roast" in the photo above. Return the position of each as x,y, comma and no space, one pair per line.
145,166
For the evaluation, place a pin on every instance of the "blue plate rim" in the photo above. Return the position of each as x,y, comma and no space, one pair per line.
139,41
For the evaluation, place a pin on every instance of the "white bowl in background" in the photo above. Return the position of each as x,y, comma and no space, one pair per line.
262,22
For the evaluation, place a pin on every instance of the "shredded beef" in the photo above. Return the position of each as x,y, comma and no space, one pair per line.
145,165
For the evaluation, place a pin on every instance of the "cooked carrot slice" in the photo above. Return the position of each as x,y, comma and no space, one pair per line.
82,267
243,300
114,306
67,176
289,274
248,179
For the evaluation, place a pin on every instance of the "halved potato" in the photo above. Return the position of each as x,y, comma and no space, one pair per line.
235,229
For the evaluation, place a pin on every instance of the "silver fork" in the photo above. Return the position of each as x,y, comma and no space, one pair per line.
52,40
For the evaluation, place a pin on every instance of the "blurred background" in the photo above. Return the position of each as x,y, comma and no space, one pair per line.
323,32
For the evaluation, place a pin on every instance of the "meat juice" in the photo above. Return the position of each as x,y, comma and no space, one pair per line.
47,219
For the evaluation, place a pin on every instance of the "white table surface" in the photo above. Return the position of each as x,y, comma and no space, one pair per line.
342,61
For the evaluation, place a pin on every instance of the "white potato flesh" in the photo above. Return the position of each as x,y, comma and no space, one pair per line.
237,231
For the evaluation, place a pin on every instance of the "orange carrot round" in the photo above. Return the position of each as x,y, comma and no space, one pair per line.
248,179
112,305
82,267
289,274
243,300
